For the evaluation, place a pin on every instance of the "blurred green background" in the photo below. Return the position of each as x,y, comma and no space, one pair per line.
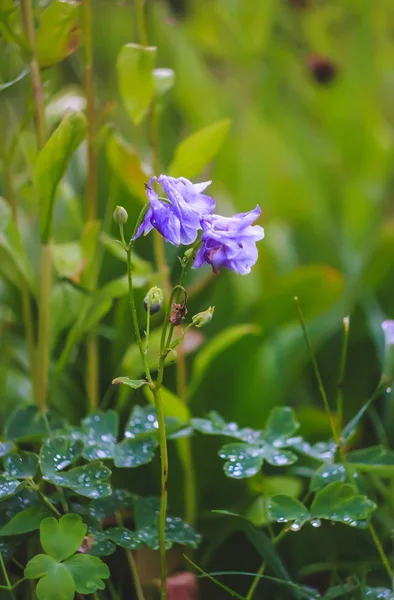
308,87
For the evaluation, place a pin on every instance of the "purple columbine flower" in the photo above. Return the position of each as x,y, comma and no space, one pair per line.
230,242
179,218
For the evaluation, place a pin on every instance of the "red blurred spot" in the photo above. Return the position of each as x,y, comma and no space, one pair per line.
182,586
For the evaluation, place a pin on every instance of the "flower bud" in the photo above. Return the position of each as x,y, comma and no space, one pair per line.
153,300
120,215
202,318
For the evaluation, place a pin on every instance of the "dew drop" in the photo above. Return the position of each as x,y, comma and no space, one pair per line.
295,526
316,523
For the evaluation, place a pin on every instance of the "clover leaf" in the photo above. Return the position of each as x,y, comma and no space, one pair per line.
101,430
89,480
22,465
59,452
62,572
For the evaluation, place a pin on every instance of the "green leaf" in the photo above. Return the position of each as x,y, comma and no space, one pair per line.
327,474
67,259
378,593
56,583
133,383
57,453
89,480
163,81
58,33
340,502
246,459
87,573
376,459
53,161
22,465
28,425
194,153
101,429
6,448
206,357
38,566
131,453
107,507
135,75
283,508
25,521
338,591
9,487
13,250
177,532
281,424
60,539
128,166
102,546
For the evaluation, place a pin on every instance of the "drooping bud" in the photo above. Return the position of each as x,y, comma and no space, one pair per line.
153,300
120,215
202,318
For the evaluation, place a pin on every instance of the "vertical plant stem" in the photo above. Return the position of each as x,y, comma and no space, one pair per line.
7,579
28,19
44,325
164,490
41,363
91,192
342,368
337,438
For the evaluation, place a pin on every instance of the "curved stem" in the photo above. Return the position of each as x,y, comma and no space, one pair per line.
132,564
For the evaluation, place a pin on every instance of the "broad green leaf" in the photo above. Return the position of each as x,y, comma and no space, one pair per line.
376,459
128,166
101,429
59,452
27,520
283,509
146,510
60,539
133,383
340,502
135,452
13,250
22,465
101,546
58,33
339,591
321,451
194,153
6,448
38,566
53,161
216,425
177,532
163,80
327,474
281,424
214,348
67,259
89,480
56,584
9,487
107,507
317,288
245,460
87,573
378,593
135,66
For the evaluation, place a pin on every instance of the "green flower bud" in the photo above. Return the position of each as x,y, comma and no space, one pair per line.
153,300
202,318
120,215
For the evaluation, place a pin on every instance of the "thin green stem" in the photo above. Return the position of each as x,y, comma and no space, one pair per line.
135,318
6,578
28,19
91,191
342,368
42,358
319,380
263,565
44,311
164,491
141,23
147,333
132,564
49,504
340,447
